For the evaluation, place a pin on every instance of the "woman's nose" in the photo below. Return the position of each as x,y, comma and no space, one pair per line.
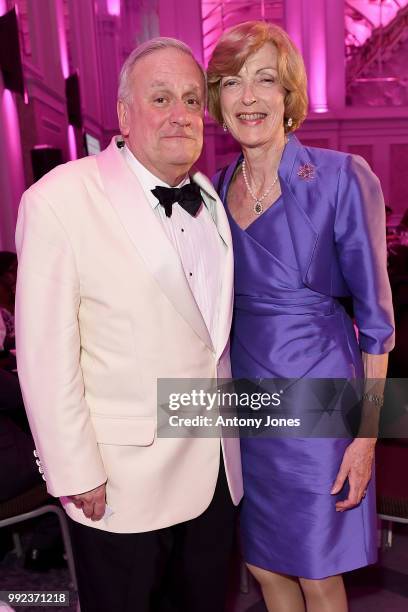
248,96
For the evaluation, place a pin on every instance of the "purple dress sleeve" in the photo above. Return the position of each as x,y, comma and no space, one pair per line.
359,234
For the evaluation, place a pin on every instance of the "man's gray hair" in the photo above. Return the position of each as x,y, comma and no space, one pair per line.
146,48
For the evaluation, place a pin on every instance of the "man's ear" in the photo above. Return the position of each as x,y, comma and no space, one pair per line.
123,116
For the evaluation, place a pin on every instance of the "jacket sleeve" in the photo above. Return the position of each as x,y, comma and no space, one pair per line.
48,351
361,245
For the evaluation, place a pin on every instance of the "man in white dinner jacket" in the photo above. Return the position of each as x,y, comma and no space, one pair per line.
117,287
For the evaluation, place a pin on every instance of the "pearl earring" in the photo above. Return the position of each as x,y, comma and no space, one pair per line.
224,127
290,122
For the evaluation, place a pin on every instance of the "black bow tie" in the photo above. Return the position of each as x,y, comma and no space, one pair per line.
189,198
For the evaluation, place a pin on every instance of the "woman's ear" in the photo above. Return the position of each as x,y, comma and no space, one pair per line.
123,116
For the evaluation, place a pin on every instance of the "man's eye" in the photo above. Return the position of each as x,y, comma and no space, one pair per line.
160,100
193,102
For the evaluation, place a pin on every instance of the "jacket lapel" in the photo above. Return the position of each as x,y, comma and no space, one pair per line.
298,197
225,304
144,229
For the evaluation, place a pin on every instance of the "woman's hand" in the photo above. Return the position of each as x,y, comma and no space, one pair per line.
357,467
358,458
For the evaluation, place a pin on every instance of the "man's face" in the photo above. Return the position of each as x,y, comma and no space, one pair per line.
163,121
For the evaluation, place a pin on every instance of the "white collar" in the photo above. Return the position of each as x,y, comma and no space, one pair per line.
148,180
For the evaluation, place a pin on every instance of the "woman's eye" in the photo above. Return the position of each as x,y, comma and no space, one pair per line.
229,83
268,79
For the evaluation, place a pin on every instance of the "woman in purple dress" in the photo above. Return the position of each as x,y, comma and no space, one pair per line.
308,226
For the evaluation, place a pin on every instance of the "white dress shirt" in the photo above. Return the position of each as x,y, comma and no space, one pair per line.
196,240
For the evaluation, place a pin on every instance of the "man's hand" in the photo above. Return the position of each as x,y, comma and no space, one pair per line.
92,502
357,467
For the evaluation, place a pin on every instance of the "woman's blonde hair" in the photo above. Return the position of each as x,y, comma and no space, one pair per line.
233,49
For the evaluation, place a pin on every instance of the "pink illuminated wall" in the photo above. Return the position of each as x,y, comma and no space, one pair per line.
94,37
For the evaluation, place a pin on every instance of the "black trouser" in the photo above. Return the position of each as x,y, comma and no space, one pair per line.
183,568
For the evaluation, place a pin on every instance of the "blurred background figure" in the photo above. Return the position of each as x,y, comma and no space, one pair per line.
8,275
19,472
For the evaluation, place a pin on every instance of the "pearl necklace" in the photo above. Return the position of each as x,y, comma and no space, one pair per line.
257,208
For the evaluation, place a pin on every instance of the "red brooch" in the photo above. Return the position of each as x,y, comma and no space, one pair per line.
307,172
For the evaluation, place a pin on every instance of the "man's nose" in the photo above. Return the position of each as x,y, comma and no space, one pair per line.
180,114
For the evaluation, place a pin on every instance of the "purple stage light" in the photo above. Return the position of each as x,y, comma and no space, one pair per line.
72,143
113,7
62,41
10,115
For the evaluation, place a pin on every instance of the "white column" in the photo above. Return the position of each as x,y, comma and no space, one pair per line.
314,38
108,44
182,19
336,55
294,22
45,59
318,30
84,58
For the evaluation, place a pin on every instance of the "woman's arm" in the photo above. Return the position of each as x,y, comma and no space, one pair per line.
358,459
361,247
375,367
359,234
375,372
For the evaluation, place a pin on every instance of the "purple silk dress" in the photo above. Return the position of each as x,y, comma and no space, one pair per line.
283,328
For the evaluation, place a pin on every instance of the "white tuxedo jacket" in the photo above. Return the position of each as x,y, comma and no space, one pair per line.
103,309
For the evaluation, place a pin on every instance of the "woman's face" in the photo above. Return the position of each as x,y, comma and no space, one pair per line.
252,101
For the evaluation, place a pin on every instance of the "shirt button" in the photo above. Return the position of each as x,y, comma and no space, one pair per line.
191,274
182,229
